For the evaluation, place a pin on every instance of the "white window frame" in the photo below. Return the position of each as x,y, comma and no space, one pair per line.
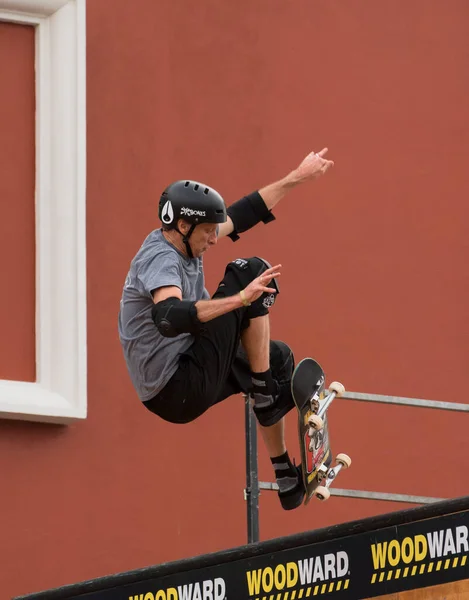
60,391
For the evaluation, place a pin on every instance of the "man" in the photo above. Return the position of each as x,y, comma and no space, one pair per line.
186,351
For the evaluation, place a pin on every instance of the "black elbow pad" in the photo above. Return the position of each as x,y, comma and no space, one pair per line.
247,212
173,317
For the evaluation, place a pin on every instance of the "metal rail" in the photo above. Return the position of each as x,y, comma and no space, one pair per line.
253,485
420,403
388,497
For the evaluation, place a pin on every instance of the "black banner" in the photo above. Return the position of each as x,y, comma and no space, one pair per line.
366,565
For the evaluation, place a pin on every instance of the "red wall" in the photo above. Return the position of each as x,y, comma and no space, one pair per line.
375,283
17,227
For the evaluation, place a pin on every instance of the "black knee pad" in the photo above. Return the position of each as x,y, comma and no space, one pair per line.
282,364
238,274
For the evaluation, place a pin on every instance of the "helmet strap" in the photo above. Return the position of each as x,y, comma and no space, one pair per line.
185,239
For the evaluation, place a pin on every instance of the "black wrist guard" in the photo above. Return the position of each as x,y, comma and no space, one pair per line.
173,317
247,212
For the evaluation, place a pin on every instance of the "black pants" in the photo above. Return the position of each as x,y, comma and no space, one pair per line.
215,368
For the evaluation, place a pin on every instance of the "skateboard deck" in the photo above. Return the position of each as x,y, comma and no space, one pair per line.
312,401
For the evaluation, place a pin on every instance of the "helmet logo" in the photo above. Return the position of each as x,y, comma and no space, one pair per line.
167,214
189,212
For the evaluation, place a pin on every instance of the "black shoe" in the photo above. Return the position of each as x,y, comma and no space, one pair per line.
294,496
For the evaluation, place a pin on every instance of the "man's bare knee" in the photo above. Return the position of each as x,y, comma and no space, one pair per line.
255,340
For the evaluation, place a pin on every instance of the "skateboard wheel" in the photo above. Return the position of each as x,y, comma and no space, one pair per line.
344,460
315,423
337,387
322,493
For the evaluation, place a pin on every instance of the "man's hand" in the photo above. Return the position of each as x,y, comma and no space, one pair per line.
311,167
260,285
211,309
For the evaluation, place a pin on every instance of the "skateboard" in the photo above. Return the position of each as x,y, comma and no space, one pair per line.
312,401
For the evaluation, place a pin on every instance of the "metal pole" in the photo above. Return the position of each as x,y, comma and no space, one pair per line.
251,493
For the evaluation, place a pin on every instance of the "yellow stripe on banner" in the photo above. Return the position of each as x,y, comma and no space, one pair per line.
300,593
339,585
373,579
285,597
331,587
271,597
308,592
316,590
406,571
398,573
381,577
347,581
389,575
293,594
447,561
414,569
422,569
323,589
430,567
463,560
279,596
438,565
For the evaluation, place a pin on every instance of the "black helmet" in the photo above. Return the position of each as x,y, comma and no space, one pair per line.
192,201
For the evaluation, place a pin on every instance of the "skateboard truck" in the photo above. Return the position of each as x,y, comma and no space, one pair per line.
319,409
322,491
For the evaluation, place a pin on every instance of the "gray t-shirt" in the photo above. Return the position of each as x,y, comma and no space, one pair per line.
151,358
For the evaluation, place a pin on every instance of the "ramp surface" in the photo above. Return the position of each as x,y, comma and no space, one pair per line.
447,591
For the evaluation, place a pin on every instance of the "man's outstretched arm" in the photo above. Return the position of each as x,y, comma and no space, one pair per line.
242,215
172,315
